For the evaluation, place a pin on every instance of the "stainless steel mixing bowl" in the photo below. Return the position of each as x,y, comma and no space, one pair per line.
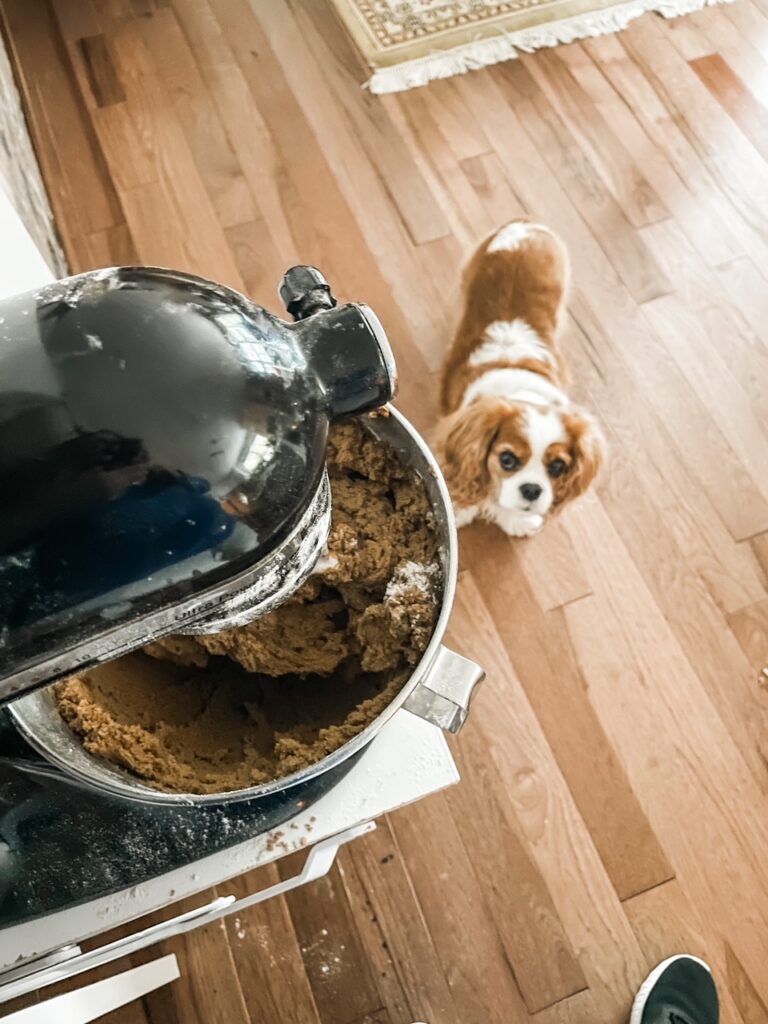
439,690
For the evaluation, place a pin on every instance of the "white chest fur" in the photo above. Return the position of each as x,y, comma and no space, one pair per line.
515,385
512,341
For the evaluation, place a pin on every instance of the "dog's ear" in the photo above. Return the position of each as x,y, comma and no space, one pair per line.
589,452
463,441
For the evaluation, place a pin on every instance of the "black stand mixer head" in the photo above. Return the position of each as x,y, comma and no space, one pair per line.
162,447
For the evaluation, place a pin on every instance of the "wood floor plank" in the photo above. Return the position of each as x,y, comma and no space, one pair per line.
382,1016
695,536
739,51
469,217
751,24
245,127
750,627
544,964
358,133
76,19
759,546
735,98
487,176
325,238
751,1006
342,982
257,258
165,181
728,328
744,283
71,159
124,130
553,567
378,135
568,162
539,649
730,406
604,148
731,157
729,571
266,954
384,875
448,110
751,21
113,247
665,923
542,804
708,234
450,887
760,5
103,79
578,1009
704,772
533,182
374,941
695,282
206,137
700,443
687,38
200,996
643,91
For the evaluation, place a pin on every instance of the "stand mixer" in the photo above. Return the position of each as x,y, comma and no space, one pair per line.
162,446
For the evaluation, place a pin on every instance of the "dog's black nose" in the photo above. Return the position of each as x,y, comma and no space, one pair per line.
530,491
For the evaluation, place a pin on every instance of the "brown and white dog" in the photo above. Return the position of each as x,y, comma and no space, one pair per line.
513,446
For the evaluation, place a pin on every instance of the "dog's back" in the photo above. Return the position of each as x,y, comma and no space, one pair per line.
516,278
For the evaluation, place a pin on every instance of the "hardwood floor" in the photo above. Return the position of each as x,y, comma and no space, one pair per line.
614,807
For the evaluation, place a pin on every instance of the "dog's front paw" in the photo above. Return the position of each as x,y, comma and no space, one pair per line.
520,525
464,515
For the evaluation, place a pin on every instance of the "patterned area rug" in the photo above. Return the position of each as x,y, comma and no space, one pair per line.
410,42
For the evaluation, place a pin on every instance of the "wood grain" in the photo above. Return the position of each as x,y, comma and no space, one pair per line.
339,974
604,149
529,927
102,77
614,803
729,90
272,975
406,938
540,650
451,889
71,160
540,803
571,166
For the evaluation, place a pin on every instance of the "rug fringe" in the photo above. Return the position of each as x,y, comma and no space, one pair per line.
496,49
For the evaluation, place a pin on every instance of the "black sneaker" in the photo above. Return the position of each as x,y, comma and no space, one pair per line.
679,991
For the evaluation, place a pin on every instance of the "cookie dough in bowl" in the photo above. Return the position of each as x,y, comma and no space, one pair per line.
224,712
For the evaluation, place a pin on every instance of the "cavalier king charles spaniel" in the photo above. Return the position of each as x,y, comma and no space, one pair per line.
513,446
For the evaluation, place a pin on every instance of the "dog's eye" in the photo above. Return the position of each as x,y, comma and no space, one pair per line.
556,467
509,461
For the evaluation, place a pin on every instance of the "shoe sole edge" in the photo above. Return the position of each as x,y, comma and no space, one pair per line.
648,985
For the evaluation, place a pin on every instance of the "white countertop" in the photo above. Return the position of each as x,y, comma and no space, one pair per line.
408,760
22,268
